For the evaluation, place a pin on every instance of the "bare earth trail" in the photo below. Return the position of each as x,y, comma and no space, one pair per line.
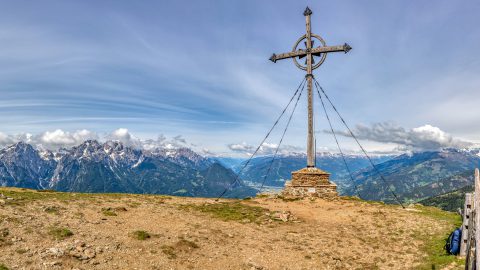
50,230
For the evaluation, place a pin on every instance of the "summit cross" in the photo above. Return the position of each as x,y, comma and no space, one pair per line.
309,52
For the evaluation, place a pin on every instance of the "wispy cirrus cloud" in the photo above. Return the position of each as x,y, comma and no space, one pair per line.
99,66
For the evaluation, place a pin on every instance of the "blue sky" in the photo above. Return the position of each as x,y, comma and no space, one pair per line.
200,69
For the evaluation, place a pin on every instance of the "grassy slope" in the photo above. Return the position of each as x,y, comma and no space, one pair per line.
450,201
437,257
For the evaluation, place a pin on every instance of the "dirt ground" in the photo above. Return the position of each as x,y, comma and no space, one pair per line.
50,230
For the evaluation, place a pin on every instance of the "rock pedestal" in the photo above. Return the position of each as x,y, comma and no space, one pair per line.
310,182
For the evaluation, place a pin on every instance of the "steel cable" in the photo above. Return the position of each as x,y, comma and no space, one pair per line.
261,143
281,140
338,144
361,147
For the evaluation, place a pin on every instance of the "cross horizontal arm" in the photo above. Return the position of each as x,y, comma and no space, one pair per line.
327,49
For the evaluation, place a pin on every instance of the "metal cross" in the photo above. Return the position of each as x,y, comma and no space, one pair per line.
309,52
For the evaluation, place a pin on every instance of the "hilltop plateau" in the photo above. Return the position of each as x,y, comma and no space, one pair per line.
56,230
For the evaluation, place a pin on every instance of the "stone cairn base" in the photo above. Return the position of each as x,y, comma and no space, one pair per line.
310,182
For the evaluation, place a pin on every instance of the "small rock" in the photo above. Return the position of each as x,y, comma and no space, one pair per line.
254,266
283,216
245,220
89,253
56,252
79,245
16,239
75,254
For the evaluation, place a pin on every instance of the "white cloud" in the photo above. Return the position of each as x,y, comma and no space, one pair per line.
426,137
207,152
265,149
123,135
151,144
6,139
49,139
179,139
59,138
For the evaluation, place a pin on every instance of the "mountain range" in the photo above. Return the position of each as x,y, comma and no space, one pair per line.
283,165
113,167
417,176
413,176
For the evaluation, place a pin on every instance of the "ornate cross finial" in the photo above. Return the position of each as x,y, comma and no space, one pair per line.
307,12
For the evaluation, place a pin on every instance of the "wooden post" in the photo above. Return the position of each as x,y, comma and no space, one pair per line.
476,206
310,142
467,210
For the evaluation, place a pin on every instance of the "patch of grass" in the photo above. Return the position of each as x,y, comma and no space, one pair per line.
21,251
3,267
4,241
351,198
232,211
185,245
141,235
51,210
437,257
60,233
289,199
109,213
22,196
79,215
357,199
169,251
182,245
134,204
14,220
4,232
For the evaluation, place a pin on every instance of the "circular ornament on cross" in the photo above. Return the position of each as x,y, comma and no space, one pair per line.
303,47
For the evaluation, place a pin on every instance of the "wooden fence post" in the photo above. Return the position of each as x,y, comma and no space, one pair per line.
467,210
477,218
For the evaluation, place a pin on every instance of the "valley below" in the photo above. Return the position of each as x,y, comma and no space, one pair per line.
57,230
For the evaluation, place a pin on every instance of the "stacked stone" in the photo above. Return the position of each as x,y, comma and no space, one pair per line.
310,182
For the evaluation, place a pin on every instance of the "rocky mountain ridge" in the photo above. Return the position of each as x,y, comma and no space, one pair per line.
114,167
417,176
